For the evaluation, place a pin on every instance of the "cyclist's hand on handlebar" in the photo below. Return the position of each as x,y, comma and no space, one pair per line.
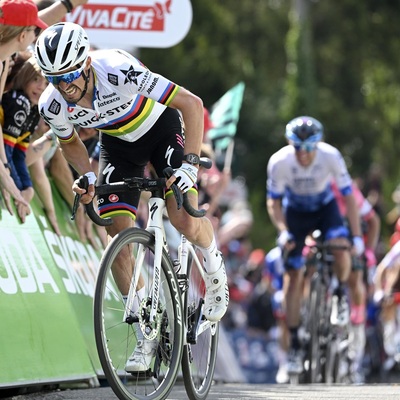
358,246
86,193
286,240
184,177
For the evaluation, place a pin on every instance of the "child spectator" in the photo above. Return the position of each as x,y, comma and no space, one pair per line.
19,118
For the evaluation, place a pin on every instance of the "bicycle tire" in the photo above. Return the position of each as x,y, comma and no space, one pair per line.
116,339
314,351
199,358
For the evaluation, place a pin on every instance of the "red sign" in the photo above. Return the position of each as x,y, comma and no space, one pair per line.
134,23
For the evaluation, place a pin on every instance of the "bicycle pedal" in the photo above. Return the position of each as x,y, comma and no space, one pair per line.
142,375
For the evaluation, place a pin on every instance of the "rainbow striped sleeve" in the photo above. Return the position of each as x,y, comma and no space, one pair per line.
169,93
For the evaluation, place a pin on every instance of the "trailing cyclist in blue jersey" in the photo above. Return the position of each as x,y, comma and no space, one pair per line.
300,200
140,116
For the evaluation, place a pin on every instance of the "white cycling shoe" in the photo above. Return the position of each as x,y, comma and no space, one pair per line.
141,358
340,314
217,294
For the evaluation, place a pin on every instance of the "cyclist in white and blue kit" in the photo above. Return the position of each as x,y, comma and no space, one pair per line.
140,116
299,201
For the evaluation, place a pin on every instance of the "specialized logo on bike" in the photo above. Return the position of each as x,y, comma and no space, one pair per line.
153,209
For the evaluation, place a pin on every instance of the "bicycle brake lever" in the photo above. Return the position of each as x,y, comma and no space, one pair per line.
168,172
75,206
178,195
83,183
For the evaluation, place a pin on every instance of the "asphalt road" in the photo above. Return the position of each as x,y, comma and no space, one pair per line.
241,392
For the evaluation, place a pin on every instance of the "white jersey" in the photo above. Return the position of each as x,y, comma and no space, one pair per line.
127,101
307,188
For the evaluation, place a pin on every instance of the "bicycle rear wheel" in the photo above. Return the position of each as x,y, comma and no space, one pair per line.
200,352
117,338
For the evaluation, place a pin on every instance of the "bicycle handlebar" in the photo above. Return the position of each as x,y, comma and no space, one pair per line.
329,247
142,184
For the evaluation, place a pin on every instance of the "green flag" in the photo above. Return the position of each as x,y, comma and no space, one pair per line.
225,116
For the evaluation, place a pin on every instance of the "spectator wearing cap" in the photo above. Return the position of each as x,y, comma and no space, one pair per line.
20,24
19,21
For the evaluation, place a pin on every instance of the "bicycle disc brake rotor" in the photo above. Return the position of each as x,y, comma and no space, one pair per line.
150,329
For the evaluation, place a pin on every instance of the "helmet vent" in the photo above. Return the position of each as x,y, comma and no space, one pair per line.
66,53
81,51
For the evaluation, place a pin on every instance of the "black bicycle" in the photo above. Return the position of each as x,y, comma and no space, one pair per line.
327,344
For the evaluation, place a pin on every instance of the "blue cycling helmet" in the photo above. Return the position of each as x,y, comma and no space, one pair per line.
304,130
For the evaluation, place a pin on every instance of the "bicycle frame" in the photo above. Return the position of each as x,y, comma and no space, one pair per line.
155,226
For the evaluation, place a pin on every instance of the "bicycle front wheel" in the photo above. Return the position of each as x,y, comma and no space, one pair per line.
313,373
116,328
200,352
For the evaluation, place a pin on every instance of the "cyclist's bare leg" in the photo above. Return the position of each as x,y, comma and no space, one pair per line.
124,263
357,288
342,264
199,231
357,331
294,297
294,287
340,313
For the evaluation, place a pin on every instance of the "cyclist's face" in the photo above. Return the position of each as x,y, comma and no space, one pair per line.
305,157
71,91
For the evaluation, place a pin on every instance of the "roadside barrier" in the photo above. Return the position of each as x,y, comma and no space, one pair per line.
46,291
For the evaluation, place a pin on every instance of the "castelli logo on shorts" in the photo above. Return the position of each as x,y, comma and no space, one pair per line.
113,198
145,16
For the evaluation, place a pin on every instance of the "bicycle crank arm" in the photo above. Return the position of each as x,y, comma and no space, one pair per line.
194,323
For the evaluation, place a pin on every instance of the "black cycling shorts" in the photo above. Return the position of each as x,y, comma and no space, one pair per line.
162,145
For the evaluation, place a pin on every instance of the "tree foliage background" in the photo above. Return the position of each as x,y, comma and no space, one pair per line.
336,61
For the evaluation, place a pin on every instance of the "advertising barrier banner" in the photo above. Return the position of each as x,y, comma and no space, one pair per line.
46,290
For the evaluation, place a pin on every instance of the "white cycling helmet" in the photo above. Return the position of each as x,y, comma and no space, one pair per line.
61,46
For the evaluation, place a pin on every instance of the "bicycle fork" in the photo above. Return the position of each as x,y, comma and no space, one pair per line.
155,226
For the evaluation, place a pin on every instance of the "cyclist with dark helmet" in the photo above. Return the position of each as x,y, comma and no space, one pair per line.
140,116
300,200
